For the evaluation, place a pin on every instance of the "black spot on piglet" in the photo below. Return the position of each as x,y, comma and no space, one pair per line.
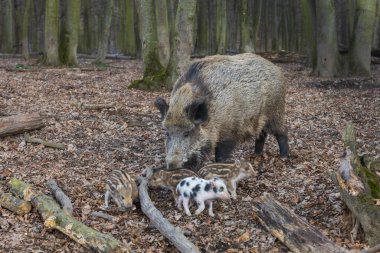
185,195
187,183
207,187
193,178
214,189
182,182
196,188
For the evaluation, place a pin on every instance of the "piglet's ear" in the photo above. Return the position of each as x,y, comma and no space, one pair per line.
161,104
197,112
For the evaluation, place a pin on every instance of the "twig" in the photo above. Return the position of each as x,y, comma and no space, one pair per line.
105,216
62,198
31,139
175,235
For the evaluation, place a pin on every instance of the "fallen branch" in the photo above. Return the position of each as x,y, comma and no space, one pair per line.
62,198
20,123
31,139
14,204
173,234
105,216
96,106
55,218
290,229
372,250
359,186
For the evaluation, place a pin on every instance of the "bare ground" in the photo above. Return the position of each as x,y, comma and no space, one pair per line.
130,137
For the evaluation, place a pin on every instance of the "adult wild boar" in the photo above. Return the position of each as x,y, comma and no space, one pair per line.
220,101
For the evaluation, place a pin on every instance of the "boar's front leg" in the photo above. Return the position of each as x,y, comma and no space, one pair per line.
223,150
282,140
259,144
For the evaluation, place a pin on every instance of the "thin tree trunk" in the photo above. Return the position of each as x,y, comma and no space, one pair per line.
360,50
51,32
25,29
8,27
327,46
163,37
309,26
246,44
130,28
201,43
69,40
103,42
182,40
221,26
256,21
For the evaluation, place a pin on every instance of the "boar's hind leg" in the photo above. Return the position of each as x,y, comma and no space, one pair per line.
223,150
282,139
259,144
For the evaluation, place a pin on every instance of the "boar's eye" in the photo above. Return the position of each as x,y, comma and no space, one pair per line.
221,189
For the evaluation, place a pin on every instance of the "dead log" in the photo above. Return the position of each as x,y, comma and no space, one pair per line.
14,204
173,234
105,216
20,123
55,218
62,198
359,184
297,234
50,144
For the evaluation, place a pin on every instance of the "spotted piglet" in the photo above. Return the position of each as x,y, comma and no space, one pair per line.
201,191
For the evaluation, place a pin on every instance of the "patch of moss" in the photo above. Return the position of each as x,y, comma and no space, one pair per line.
369,177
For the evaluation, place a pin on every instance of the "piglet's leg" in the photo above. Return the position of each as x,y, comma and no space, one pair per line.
106,199
201,207
179,202
186,206
210,212
231,186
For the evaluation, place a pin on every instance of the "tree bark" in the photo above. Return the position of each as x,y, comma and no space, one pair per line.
105,33
163,36
360,50
327,45
55,218
62,198
130,28
70,34
359,185
182,40
154,72
25,29
8,27
51,32
298,235
19,124
246,43
309,25
221,26
14,204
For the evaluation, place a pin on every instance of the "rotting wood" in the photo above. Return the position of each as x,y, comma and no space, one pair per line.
62,198
20,123
14,204
50,144
55,218
173,234
359,185
298,235
105,216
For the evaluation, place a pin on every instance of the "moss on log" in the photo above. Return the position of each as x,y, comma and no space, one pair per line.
359,186
14,204
55,218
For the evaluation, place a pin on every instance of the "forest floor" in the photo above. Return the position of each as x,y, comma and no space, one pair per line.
130,137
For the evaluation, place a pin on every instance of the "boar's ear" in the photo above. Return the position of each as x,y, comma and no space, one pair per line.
197,111
161,104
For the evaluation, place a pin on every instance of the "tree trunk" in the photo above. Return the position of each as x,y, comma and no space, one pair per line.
106,25
70,34
130,28
309,25
201,43
221,26
25,29
360,49
257,9
327,45
246,43
163,37
51,32
8,27
154,73
182,40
